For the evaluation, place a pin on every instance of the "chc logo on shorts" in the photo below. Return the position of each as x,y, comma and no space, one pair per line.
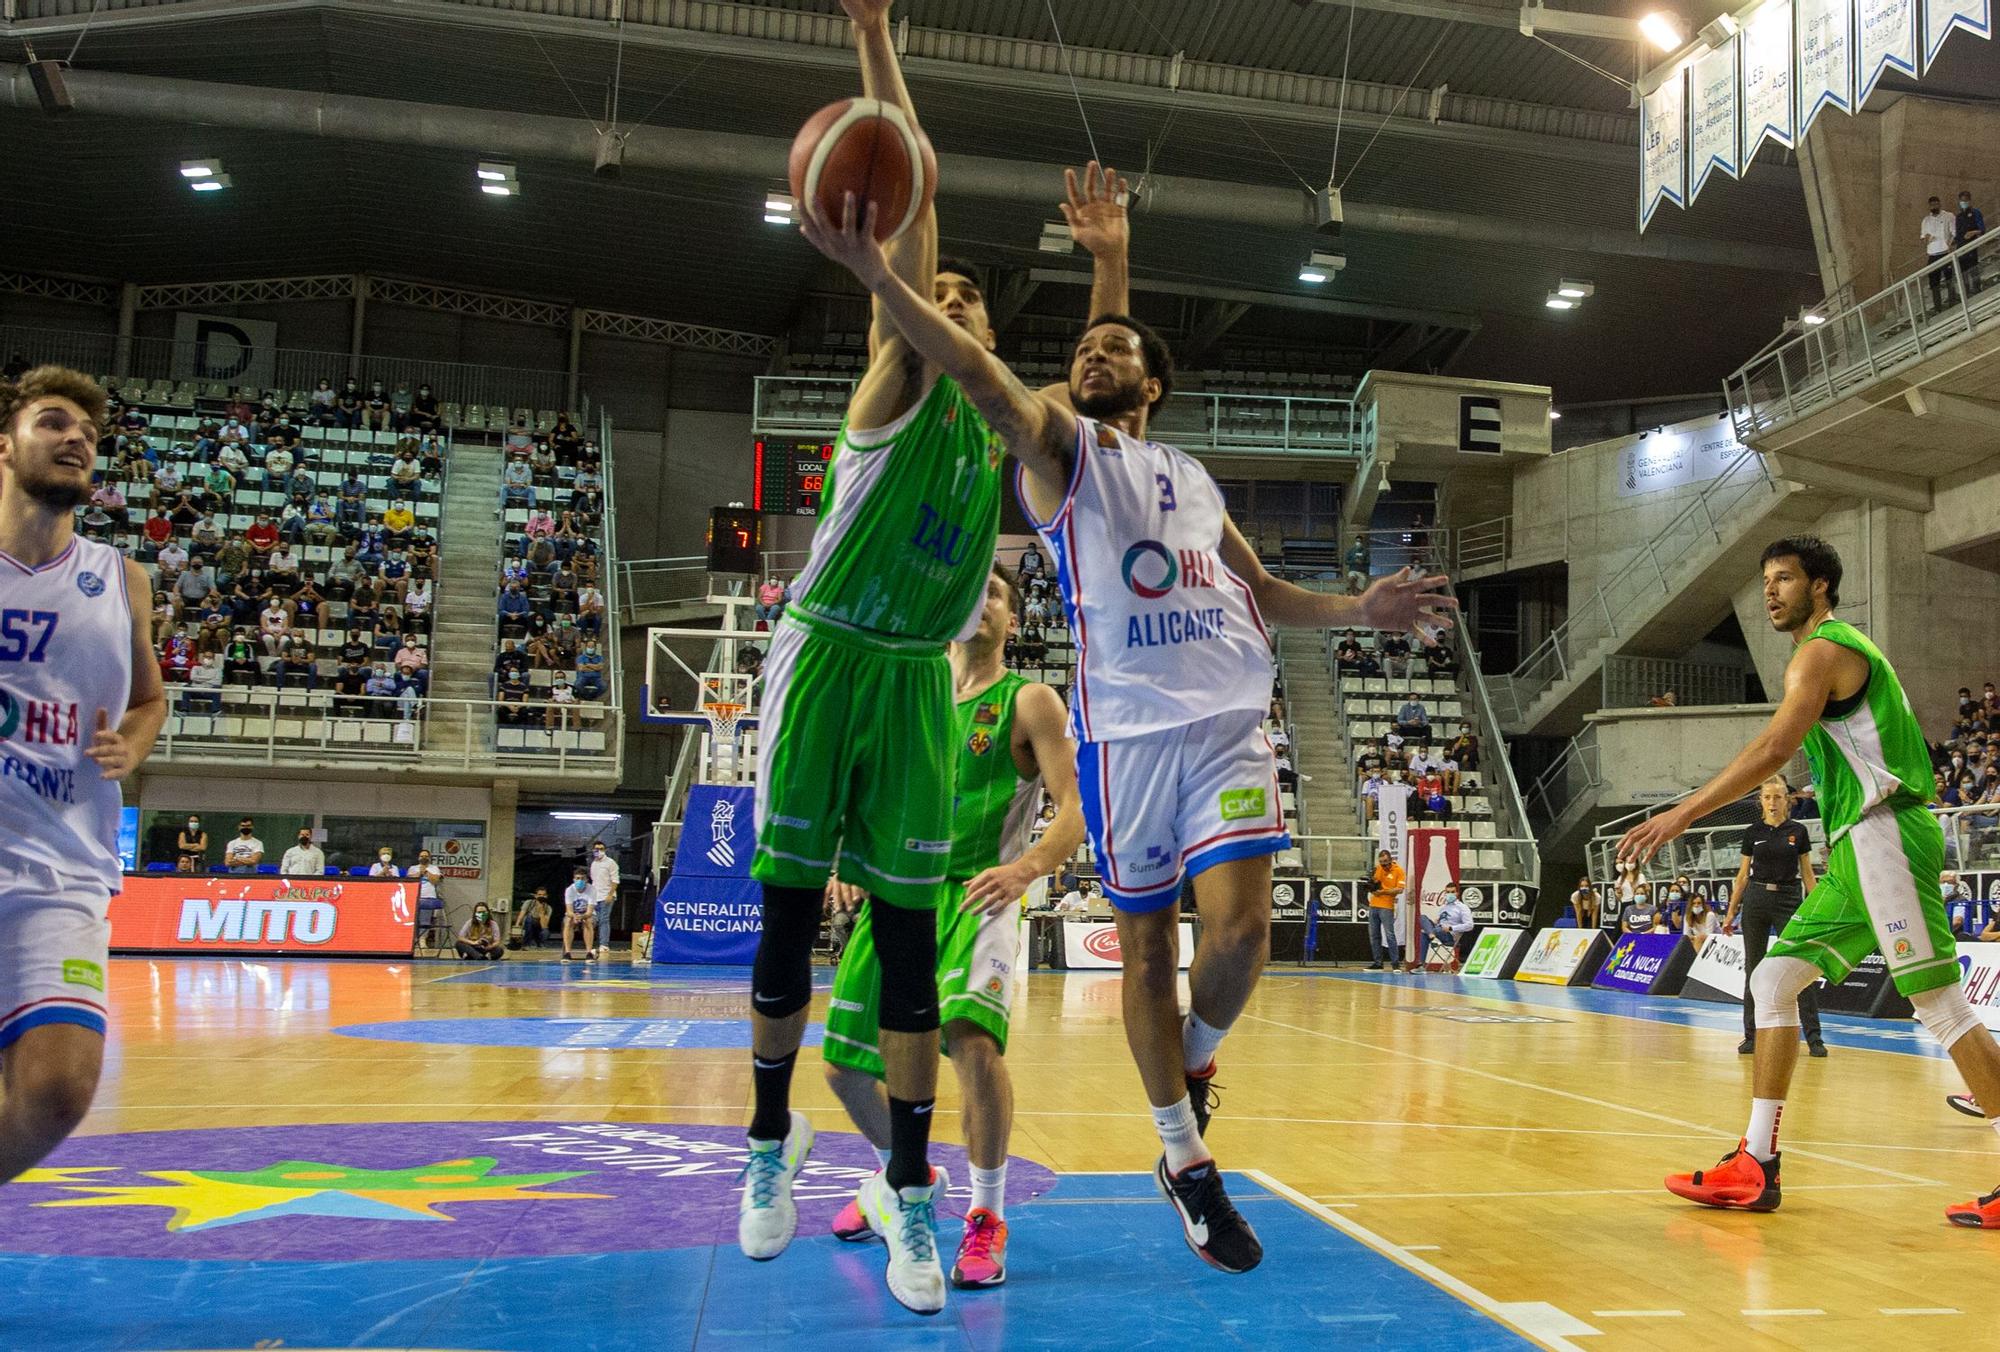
90,584
1167,569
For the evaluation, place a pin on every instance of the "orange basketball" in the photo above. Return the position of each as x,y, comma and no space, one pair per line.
871,149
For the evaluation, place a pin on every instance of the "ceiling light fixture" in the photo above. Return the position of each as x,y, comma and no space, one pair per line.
1573,289
200,168
780,209
1057,238
493,171
1558,301
213,184
1554,416
587,816
1320,265
1663,31
1719,30
500,189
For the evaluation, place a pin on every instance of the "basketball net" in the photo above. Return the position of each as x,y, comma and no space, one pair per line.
722,716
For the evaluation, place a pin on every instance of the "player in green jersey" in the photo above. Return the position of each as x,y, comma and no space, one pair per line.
1010,741
1872,774
855,752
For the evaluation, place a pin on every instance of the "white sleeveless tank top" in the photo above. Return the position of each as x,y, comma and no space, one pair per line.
65,653
1165,633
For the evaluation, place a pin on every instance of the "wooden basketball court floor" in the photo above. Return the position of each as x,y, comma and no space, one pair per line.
536,1155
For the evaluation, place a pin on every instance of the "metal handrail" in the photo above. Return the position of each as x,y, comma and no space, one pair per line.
1632,584
1484,544
460,741
608,638
1855,344
1193,420
636,576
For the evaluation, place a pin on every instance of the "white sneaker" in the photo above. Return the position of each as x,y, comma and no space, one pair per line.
766,1216
907,1223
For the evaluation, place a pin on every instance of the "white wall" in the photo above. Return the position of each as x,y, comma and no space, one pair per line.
1647,755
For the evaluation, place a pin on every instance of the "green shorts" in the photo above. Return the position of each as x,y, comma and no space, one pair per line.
976,966
1879,894
856,753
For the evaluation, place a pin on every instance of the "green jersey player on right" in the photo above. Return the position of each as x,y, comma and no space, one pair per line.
1879,893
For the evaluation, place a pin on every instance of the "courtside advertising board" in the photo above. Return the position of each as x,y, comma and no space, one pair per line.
1563,957
1490,951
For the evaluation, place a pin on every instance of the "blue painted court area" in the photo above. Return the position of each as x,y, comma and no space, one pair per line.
1842,1030
574,1034
1098,1263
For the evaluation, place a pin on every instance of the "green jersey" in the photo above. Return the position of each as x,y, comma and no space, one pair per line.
1868,749
907,530
993,813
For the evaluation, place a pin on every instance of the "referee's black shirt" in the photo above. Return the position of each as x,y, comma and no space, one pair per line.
1773,852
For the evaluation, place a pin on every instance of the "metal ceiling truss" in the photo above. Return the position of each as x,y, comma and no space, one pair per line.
395,291
58,288
750,31
648,330
255,291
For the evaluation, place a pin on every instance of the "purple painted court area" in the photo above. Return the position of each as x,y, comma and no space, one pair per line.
394,1190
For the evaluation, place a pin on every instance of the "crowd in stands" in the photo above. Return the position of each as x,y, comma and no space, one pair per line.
278,558
551,604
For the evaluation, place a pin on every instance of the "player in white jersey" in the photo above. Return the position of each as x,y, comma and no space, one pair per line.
1169,606
80,706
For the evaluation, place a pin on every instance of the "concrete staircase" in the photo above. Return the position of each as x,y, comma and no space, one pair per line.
463,639
1673,592
1320,754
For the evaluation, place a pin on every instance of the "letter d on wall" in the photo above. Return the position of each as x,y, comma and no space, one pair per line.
241,353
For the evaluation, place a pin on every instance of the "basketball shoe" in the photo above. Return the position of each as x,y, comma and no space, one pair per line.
1983,1214
1202,1095
982,1253
852,1224
1739,1182
907,1221
766,1217
1966,1104
1210,1222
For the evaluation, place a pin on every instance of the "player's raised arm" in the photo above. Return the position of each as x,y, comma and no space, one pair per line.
1809,683
894,378
1040,432
1094,205
1401,603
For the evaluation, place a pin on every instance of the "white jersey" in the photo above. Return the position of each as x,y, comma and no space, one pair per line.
1166,635
65,653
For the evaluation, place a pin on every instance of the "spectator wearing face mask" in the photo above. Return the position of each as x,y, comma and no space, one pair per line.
245,851
1967,226
1960,909
479,937
1701,922
191,847
305,859
1935,229
1585,903
384,865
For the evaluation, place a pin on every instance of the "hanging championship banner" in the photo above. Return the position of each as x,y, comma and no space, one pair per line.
1942,16
1767,78
1663,141
1826,58
1886,36
1713,144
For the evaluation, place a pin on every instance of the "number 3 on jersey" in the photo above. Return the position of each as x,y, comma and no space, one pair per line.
25,634
1166,492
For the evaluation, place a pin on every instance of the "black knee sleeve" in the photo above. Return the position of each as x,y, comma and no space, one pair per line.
781,975
906,943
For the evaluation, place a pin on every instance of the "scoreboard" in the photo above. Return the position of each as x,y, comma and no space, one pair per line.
790,476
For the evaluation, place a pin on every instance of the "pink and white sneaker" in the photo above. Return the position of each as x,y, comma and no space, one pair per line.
852,1223
982,1254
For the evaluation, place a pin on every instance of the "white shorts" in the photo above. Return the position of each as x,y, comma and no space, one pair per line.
1165,806
55,936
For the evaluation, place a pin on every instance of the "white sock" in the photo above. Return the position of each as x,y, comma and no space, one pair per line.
1762,1137
1180,1135
1994,1120
1199,1041
881,1155
989,1189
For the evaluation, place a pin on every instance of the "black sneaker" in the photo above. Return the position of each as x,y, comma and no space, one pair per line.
1967,1104
1210,1222
1203,1096
1815,1047
1746,1047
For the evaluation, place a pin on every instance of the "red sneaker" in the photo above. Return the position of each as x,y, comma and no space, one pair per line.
1983,1214
982,1254
1737,1183
852,1223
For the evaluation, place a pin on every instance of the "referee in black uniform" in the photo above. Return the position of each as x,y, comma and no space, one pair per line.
1772,880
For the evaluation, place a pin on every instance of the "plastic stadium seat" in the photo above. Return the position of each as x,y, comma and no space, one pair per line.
267,868
361,872
159,868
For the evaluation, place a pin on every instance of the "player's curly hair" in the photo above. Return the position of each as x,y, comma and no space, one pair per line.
57,382
1001,571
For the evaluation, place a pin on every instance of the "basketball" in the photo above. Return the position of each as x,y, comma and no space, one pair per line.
871,149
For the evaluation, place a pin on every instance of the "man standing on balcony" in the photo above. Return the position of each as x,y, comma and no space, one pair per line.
1936,230
1967,226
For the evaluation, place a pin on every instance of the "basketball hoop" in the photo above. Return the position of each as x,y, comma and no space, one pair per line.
722,717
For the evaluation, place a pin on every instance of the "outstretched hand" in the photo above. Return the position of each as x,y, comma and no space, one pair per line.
1644,841
1404,602
1095,208
850,243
